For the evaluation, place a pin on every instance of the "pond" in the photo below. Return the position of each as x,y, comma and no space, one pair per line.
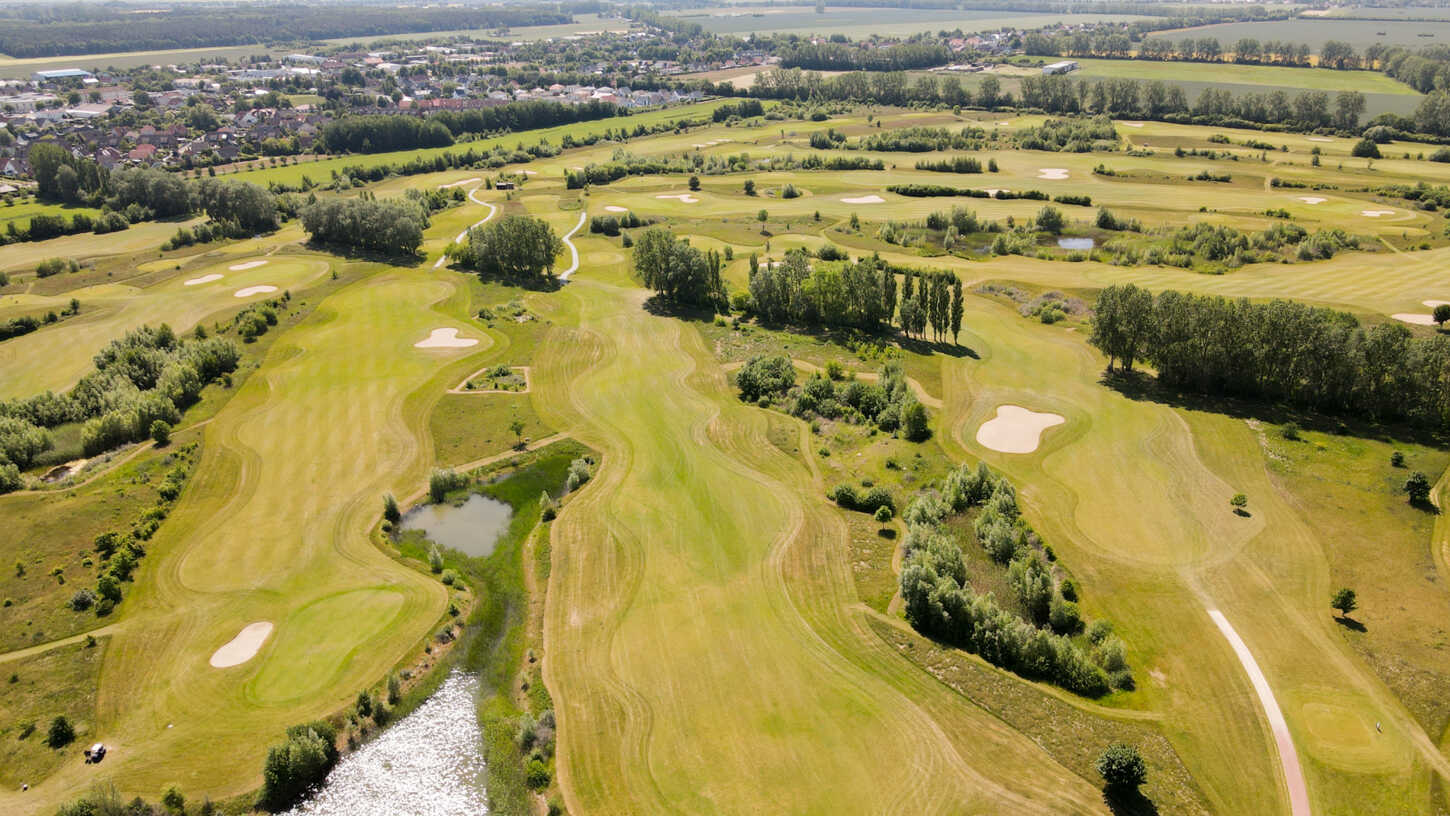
430,763
1075,243
472,528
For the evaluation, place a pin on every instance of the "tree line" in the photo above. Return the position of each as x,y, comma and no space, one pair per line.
832,56
1280,352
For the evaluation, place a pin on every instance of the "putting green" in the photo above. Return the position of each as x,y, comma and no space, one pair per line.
317,641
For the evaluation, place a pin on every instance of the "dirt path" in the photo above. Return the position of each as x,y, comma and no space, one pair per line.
1288,757
463,235
573,250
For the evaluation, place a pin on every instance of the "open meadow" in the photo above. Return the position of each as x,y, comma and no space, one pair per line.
711,632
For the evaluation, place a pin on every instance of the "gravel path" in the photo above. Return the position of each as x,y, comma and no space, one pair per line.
1288,757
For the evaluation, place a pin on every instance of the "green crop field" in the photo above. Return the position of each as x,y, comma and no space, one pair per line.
1272,76
711,632
861,23
1315,31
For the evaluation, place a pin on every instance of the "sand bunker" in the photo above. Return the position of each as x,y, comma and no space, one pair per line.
1320,139
243,647
1433,303
1375,213
1131,124
993,191
613,208
445,338
1312,199
684,197
248,265
1054,173
870,199
255,290
1417,319
203,279
1015,429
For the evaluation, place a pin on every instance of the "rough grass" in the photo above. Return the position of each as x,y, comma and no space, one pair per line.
38,688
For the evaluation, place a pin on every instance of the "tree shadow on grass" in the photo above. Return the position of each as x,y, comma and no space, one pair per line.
353,253
1350,623
1128,802
1144,387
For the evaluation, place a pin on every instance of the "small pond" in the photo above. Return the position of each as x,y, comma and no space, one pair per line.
430,763
1075,243
472,528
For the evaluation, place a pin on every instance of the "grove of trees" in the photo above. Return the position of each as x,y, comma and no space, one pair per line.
678,272
393,226
515,247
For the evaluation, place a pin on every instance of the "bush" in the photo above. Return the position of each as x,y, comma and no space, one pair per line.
61,733
580,471
765,377
444,481
1397,459
1365,149
913,422
299,763
1418,488
160,432
82,600
390,509
1122,767
537,775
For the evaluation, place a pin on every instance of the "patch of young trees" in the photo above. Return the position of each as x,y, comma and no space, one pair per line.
393,226
147,375
770,380
515,247
383,133
1035,641
297,764
1279,351
678,272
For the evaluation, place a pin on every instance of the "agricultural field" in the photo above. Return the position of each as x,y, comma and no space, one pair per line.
1315,31
13,68
861,23
710,631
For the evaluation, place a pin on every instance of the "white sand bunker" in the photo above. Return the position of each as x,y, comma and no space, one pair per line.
1055,173
1131,124
243,647
1417,319
445,338
613,208
1433,303
248,265
870,199
684,197
1320,139
203,279
1375,213
1312,199
256,290
1015,429
993,191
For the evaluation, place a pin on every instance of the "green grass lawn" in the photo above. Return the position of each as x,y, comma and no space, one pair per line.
60,682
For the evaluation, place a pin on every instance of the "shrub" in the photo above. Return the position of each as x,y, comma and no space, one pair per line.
449,577
1121,766
537,774
390,509
765,377
435,559
1418,488
1397,459
299,763
1290,431
579,472
913,422
160,432
61,733
444,481
1365,149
